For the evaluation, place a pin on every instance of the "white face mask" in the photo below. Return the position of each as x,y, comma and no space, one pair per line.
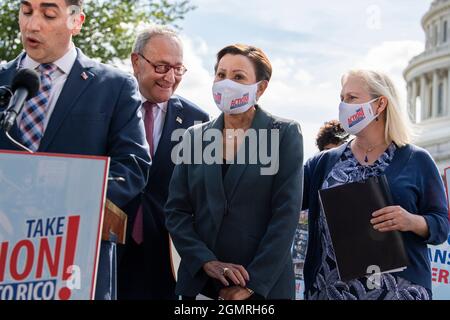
356,117
234,98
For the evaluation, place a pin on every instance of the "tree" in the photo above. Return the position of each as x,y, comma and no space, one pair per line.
109,30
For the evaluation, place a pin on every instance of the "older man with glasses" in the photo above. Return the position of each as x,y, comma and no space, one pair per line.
145,269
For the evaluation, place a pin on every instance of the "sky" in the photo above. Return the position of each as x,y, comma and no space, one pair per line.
310,45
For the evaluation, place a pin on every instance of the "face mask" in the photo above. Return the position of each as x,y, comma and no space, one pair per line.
356,117
234,98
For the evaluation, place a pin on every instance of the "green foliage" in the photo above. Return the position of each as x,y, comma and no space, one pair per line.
10,44
109,30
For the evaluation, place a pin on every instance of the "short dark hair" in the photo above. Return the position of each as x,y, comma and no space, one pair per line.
259,59
332,132
74,3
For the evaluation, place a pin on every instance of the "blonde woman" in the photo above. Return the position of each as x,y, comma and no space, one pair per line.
370,111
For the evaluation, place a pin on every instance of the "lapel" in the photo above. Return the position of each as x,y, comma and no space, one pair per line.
75,85
8,72
334,155
262,120
164,150
215,196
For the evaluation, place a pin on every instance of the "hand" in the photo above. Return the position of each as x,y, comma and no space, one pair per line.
223,271
396,218
235,293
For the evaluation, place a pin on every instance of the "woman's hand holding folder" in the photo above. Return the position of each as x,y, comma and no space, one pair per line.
395,218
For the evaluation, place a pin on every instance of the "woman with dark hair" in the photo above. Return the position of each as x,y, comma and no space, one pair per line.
331,135
232,224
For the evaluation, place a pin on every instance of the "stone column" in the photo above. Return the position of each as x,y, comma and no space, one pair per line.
423,97
435,95
445,97
447,104
414,100
409,99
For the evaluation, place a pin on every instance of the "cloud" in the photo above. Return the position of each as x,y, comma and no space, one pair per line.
298,90
197,82
392,57
293,91
306,93
310,45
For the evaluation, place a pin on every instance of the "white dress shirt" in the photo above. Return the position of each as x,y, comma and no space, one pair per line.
159,116
59,78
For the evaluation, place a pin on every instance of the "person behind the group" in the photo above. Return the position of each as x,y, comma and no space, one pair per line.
144,269
83,107
331,135
232,225
370,110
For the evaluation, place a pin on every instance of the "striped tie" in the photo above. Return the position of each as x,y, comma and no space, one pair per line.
35,110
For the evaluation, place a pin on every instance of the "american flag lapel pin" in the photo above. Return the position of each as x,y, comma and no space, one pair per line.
179,120
84,76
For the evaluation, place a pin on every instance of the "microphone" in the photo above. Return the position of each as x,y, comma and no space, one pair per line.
5,96
25,85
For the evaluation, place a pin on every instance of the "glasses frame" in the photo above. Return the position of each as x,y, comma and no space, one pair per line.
167,67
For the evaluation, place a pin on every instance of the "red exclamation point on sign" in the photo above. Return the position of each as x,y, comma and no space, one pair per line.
69,257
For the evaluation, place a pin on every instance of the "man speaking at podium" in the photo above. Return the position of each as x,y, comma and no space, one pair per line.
82,107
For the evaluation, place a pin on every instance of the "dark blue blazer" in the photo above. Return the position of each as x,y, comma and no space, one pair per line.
415,184
245,218
145,272
97,116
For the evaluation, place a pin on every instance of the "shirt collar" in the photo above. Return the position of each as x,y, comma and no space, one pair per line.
161,106
65,63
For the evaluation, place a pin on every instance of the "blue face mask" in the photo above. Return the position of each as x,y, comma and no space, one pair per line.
356,117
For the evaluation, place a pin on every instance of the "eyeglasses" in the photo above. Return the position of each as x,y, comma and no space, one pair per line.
164,68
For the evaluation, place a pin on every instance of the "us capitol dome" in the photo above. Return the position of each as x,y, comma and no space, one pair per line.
428,80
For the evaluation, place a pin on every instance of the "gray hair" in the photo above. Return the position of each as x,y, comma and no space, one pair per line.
148,33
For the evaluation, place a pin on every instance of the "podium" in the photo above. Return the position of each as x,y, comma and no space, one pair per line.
113,232
51,217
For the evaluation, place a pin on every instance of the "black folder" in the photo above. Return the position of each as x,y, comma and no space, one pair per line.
348,209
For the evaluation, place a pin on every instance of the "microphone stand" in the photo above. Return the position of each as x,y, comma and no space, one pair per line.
21,146
3,126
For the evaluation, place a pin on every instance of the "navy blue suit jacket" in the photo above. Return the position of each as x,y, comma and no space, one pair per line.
97,116
145,271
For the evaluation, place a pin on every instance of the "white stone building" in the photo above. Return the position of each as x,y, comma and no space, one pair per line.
428,79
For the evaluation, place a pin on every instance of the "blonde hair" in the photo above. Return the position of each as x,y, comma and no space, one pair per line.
398,125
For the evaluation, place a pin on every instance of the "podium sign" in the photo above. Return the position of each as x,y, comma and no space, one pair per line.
51,211
440,260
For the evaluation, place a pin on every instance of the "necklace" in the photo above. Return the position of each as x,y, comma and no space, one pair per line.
368,150
230,134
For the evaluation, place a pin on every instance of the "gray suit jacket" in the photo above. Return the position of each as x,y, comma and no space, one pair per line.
246,218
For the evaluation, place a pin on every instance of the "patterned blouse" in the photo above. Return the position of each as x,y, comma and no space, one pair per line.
327,285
